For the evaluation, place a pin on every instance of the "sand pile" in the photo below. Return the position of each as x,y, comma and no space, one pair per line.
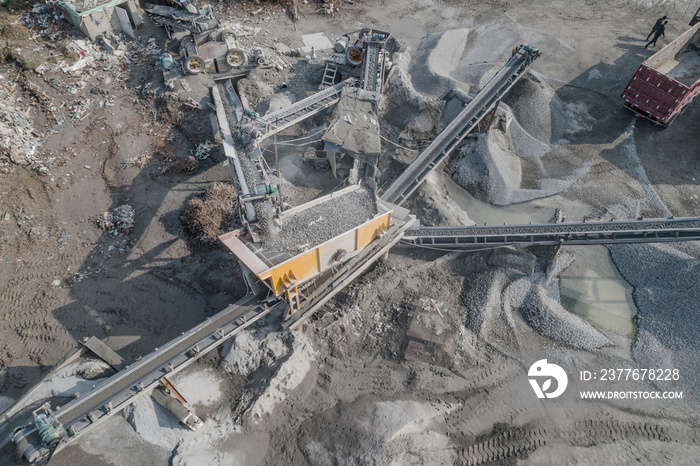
75,378
405,108
433,206
211,214
377,432
434,61
492,167
250,351
289,376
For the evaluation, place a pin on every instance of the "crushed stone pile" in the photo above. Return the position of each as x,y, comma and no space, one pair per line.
212,214
434,61
119,219
481,296
547,316
538,109
317,224
405,108
491,169
666,295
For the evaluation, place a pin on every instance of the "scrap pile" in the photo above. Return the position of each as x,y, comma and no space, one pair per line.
18,138
212,214
118,220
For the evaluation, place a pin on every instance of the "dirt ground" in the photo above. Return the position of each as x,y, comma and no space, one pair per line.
379,376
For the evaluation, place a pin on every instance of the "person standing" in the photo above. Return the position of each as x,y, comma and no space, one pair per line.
661,31
657,25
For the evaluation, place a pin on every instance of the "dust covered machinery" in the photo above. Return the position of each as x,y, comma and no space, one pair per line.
319,243
365,58
216,52
38,440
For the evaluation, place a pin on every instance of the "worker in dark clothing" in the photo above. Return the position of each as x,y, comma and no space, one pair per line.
657,25
661,31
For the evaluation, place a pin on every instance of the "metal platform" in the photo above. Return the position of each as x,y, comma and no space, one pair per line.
574,233
280,120
462,125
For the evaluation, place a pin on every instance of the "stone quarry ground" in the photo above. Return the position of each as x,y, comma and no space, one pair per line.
378,376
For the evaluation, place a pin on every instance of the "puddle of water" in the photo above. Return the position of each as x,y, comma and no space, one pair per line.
593,288
534,211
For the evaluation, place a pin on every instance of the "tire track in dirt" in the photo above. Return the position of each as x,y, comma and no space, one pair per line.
518,442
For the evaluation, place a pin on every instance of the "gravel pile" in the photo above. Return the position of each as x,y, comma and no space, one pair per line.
481,296
537,108
404,108
547,316
435,59
315,225
666,294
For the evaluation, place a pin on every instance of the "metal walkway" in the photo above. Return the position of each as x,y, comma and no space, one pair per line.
573,233
373,69
275,122
120,390
462,125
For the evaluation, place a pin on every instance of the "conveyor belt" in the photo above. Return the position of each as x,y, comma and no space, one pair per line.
619,231
120,390
281,119
462,125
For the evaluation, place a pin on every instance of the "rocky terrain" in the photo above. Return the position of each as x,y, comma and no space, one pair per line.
423,359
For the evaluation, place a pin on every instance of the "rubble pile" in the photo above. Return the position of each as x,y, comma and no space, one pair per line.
118,220
211,214
43,20
18,138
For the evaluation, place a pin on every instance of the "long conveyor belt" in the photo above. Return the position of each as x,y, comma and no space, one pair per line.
462,125
120,390
571,233
275,122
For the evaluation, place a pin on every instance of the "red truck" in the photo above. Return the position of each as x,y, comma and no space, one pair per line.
667,81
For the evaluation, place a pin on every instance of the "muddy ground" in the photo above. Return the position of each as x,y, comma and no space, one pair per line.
379,376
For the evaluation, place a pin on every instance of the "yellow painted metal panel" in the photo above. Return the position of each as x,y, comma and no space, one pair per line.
368,232
303,267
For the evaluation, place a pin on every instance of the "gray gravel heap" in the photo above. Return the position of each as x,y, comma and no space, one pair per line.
547,316
317,224
482,298
666,293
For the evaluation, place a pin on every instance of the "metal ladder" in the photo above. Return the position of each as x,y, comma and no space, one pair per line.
329,74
